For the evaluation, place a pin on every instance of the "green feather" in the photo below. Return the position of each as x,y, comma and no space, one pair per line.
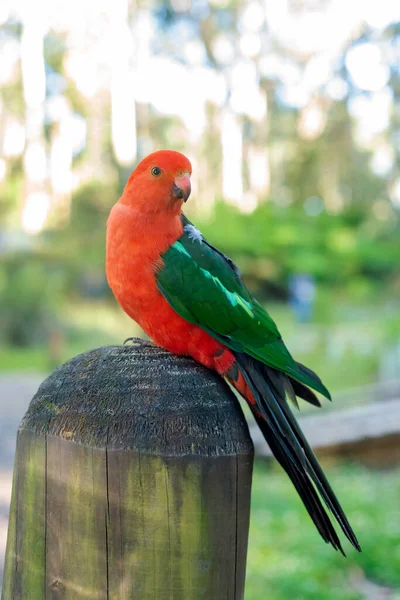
204,287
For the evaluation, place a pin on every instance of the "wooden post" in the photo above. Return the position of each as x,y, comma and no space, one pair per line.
131,482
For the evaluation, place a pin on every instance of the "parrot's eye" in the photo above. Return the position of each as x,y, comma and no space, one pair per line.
156,171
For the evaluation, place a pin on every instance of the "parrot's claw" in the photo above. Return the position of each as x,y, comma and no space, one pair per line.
138,341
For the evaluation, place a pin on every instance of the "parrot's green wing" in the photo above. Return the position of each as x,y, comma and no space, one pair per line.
204,287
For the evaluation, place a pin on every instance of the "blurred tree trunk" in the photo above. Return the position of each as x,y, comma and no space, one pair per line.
95,134
329,183
232,156
34,85
123,108
61,169
257,155
231,124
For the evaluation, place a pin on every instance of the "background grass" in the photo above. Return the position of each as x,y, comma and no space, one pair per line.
288,559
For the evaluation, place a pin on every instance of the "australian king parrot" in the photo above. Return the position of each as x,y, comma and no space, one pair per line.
189,298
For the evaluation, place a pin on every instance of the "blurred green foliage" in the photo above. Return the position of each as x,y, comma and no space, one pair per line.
274,242
31,290
286,556
83,241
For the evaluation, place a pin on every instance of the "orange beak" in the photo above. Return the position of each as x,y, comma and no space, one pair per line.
182,187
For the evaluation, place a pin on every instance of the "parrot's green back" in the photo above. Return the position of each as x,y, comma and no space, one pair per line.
204,287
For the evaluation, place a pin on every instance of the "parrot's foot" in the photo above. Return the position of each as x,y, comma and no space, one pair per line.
134,340
138,341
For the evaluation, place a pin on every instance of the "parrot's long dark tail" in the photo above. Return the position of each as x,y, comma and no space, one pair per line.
266,391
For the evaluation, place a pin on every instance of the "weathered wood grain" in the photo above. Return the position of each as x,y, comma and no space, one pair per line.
132,481
25,565
76,536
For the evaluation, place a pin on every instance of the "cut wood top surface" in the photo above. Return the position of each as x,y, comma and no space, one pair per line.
139,397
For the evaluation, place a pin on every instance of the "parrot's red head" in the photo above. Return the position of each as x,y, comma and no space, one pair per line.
160,182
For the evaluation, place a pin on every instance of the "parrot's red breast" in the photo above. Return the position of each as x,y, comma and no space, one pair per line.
141,227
